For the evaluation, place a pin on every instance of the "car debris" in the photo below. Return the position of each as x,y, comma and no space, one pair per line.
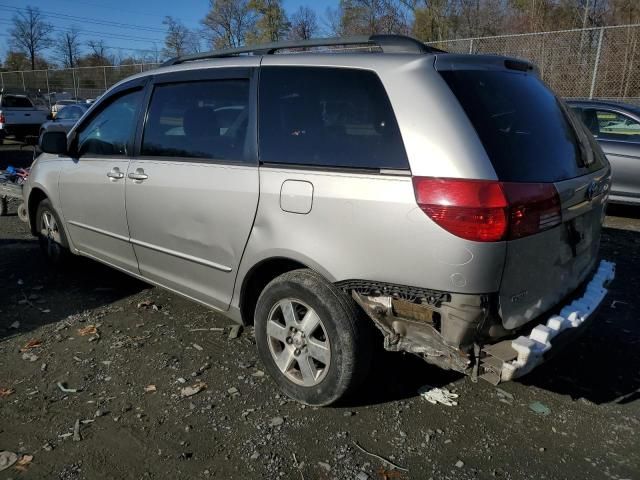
437,395
7,459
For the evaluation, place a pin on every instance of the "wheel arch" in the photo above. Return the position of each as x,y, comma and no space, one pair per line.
257,278
36,196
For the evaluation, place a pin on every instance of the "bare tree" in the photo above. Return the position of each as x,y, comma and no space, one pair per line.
366,17
67,47
304,24
30,33
228,22
179,39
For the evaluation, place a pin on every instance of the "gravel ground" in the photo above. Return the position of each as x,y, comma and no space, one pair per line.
130,349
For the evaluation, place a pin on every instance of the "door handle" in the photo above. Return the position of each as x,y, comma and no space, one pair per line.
115,173
138,175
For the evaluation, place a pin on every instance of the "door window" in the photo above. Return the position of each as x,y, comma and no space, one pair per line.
204,119
334,117
613,125
109,132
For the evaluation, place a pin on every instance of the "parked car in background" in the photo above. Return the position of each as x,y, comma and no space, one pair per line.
616,126
19,117
65,119
448,200
56,107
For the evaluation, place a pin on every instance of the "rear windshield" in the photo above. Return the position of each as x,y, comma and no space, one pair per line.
16,102
527,133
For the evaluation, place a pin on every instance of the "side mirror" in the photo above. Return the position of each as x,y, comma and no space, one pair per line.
54,142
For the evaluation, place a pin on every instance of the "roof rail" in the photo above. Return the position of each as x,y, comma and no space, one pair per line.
388,44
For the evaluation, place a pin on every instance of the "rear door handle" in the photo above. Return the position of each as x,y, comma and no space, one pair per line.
115,174
138,175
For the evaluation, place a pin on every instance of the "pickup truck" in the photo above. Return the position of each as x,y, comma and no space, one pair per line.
19,117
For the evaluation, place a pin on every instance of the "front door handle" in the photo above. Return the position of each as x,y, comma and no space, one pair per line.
138,175
115,174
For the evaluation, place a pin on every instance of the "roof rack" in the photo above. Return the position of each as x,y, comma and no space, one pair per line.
388,44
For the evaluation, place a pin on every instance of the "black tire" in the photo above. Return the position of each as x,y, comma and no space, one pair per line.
347,331
56,252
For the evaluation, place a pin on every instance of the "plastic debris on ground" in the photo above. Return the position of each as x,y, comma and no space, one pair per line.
539,408
437,395
7,459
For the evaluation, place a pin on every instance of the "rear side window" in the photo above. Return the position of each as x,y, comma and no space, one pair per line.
205,119
330,117
608,124
16,102
527,133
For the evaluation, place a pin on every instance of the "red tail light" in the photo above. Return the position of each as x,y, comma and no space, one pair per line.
487,210
2,119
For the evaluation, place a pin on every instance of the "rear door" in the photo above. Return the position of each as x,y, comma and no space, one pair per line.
192,191
531,137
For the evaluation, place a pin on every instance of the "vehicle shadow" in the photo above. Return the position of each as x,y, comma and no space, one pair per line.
602,366
34,294
626,211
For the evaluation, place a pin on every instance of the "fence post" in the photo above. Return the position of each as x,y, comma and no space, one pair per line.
597,62
471,46
104,77
24,89
73,76
46,72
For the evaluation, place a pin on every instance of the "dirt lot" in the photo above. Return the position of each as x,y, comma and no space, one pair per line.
240,427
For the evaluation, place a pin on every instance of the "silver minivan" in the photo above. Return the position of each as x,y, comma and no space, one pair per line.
450,201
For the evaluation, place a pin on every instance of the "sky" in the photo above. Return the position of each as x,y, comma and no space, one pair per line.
139,21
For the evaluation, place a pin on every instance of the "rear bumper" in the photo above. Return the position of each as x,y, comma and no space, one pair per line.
511,359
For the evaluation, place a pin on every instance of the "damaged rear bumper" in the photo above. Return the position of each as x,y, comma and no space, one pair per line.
454,332
511,359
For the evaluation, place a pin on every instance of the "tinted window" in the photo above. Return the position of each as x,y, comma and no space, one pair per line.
327,117
109,132
16,102
205,119
527,133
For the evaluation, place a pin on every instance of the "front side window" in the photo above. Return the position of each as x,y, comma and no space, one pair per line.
617,126
204,119
333,117
109,132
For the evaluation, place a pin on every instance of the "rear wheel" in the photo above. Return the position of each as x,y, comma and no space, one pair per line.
53,242
311,338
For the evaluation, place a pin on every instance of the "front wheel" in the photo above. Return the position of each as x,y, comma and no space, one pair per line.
311,338
53,242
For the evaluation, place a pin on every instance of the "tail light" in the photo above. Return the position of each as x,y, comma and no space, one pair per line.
487,210
2,119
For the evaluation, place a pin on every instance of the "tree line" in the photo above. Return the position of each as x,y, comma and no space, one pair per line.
234,23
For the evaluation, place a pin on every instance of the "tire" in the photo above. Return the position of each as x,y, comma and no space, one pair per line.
336,353
53,241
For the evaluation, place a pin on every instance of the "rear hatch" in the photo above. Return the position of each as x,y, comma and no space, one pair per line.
534,142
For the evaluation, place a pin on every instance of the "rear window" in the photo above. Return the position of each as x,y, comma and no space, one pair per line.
527,133
16,102
332,117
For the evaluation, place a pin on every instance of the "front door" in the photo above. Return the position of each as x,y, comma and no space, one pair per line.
192,193
92,184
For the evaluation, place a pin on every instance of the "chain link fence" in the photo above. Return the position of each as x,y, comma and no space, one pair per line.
587,63
81,82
